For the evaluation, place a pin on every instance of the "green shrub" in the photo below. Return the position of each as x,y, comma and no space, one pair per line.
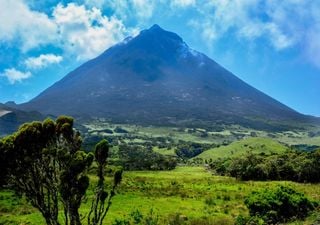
250,220
137,218
279,205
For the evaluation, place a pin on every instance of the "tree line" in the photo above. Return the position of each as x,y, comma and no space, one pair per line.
292,165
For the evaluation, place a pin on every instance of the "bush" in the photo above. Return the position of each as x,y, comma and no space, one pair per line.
136,217
279,205
120,130
250,220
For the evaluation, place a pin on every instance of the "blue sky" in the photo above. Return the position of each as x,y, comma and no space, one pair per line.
272,45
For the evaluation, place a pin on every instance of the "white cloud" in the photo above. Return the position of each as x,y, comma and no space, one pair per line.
86,33
249,19
283,23
183,3
42,61
79,31
14,75
30,28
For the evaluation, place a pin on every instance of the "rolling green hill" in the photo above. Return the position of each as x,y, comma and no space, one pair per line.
255,144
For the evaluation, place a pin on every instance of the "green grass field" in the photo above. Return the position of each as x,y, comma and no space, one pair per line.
191,192
235,149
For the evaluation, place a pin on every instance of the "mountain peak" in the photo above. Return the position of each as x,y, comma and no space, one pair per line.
157,32
155,27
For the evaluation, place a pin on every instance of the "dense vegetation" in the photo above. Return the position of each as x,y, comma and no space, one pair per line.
291,165
44,162
276,205
137,157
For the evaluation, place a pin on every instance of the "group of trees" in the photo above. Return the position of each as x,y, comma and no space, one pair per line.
44,162
137,157
292,165
188,150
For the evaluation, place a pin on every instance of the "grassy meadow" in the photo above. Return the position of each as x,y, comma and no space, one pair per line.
190,194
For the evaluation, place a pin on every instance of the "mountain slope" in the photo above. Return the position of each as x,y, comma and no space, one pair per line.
11,119
155,78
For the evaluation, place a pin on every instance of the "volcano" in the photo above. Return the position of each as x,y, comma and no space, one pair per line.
155,78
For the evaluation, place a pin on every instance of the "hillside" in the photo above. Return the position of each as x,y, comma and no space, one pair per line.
235,149
155,78
11,119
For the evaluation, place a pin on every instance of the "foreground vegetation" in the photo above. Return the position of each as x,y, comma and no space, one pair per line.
44,163
157,187
186,195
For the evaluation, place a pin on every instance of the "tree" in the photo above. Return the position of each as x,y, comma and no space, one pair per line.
48,167
102,201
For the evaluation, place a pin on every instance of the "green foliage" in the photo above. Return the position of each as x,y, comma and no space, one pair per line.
101,152
189,151
249,220
6,159
135,157
47,164
278,205
43,161
295,166
138,218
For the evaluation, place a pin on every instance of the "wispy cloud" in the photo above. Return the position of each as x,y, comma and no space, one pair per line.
283,24
247,19
143,8
42,61
183,3
14,75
